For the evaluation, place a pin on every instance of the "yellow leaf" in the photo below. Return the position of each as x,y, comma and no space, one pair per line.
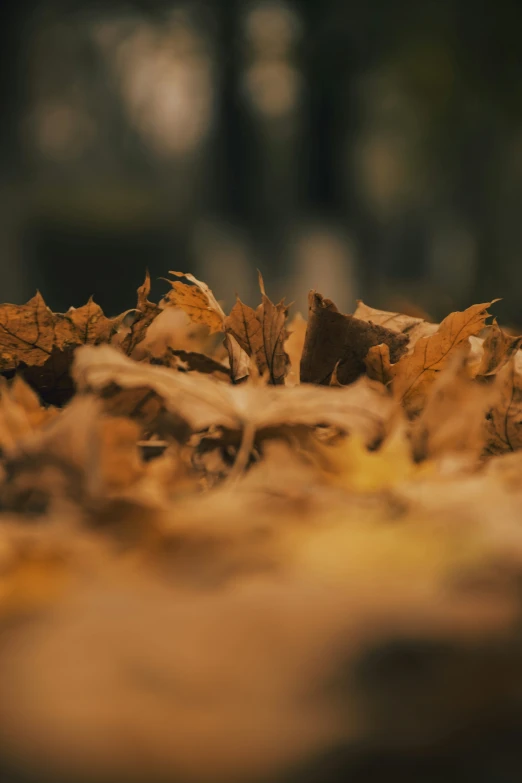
197,300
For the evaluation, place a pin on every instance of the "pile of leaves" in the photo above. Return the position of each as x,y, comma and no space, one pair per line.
241,547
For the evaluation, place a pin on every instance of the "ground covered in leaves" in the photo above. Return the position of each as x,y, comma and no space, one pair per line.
247,548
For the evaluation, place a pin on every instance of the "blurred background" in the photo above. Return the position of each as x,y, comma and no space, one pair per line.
368,149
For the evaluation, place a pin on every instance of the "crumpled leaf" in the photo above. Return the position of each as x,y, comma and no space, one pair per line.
204,402
414,328
504,420
334,339
378,365
21,412
497,349
238,358
191,361
197,300
414,373
453,418
146,313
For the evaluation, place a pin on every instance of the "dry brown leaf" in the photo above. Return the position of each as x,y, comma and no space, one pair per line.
146,313
191,361
204,402
40,343
197,300
414,328
416,372
378,365
246,329
453,418
21,413
261,333
498,348
334,339
273,322
504,420
239,360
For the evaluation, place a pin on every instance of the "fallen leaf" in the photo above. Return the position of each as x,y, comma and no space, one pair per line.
40,343
261,333
294,345
204,402
378,365
504,420
197,300
414,328
273,322
453,418
146,313
498,348
190,361
238,358
343,340
414,373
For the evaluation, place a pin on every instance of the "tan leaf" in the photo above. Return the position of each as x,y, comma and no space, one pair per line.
204,402
498,348
452,420
414,328
343,340
377,362
294,345
191,361
504,420
415,372
238,358
197,300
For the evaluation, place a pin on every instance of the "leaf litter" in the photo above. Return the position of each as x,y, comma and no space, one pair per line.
264,550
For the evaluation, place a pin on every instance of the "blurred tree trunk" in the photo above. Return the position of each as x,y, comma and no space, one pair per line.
13,30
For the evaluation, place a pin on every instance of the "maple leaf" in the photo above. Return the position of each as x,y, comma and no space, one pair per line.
244,326
40,342
261,333
333,339
197,300
414,373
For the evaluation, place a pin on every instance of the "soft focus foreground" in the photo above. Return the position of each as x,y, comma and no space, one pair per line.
239,547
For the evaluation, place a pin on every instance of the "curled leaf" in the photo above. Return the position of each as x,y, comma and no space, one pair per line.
414,328
343,340
498,348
